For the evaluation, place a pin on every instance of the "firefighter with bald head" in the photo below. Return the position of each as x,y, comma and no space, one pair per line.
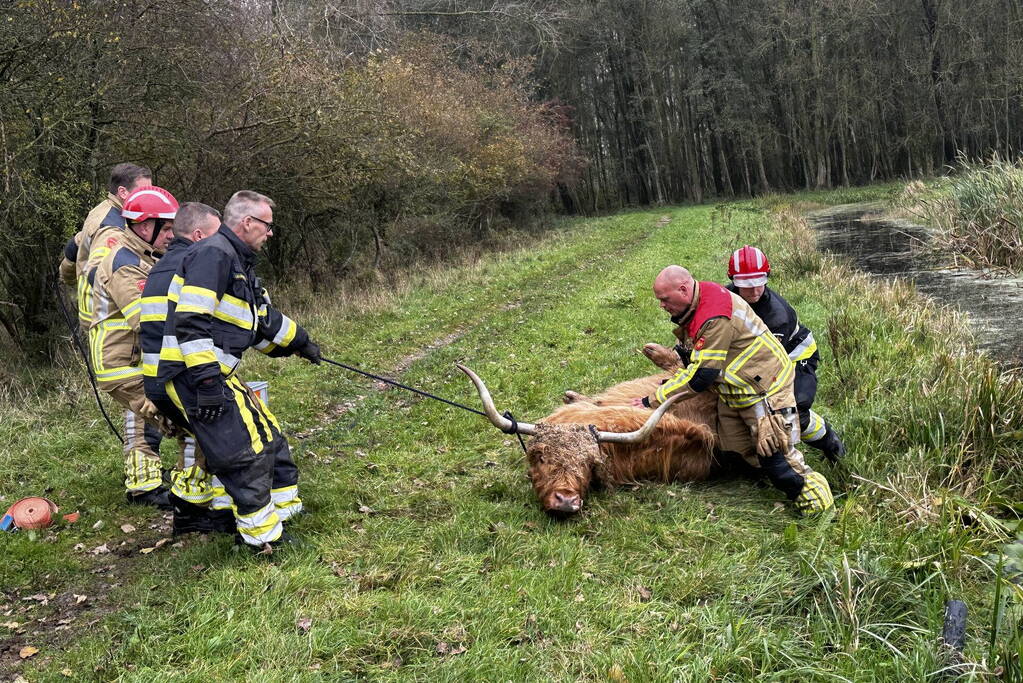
115,317
216,309
733,353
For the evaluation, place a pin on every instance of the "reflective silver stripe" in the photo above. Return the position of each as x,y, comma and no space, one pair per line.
197,346
235,311
200,301
226,358
171,342
261,526
287,329
157,308
150,359
188,452
262,345
803,346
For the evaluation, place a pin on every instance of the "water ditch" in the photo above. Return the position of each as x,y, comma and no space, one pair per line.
895,248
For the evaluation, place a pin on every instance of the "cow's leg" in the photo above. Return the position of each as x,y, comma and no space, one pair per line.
662,357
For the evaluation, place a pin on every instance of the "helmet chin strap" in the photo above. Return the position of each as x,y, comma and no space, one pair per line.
158,224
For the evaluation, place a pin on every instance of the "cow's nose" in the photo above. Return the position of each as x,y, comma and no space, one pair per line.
570,503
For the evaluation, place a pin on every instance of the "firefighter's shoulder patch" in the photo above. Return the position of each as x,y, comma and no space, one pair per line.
700,343
111,242
142,284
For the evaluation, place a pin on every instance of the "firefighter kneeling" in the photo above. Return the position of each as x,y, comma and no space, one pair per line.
735,354
216,309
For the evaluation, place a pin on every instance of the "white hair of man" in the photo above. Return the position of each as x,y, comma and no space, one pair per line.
243,203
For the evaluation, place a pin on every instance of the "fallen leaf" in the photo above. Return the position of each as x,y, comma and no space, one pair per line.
580,598
79,546
79,599
162,542
11,624
457,650
38,597
146,551
365,509
67,672
71,518
127,528
98,525
100,549
28,651
304,624
443,648
644,594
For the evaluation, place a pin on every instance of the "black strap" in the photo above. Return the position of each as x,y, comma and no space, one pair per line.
73,330
427,394
594,433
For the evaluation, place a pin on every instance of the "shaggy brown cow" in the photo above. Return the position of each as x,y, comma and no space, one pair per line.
604,439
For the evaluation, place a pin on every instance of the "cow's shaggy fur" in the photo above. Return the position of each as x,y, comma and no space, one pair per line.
565,459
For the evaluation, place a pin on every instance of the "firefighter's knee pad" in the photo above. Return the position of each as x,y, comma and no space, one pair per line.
781,474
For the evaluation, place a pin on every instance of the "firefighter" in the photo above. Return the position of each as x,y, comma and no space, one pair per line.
217,308
734,353
103,222
748,270
199,501
117,283
83,252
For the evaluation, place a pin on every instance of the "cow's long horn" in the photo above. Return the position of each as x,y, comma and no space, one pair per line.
498,420
644,431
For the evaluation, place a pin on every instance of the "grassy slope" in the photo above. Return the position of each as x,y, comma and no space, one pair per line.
690,582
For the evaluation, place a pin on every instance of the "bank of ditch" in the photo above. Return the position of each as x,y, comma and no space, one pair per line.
426,555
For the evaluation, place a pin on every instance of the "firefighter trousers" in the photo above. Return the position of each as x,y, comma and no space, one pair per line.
786,469
191,480
142,436
812,427
247,453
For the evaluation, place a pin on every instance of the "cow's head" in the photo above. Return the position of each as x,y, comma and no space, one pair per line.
562,458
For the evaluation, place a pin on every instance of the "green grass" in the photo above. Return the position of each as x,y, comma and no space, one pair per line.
427,556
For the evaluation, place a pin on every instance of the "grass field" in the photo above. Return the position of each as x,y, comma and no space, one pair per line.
426,555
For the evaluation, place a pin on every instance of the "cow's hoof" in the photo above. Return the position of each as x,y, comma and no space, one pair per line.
661,356
573,397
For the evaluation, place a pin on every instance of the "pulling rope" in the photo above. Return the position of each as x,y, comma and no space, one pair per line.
73,330
511,430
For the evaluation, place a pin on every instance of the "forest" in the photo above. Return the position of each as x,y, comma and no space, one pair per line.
394,131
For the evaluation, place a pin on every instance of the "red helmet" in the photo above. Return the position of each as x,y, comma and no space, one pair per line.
748,267
150,202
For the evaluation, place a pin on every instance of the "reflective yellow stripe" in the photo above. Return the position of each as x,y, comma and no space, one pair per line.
246,413
199,358
815,429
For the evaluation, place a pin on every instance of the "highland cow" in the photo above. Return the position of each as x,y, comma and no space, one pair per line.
604,440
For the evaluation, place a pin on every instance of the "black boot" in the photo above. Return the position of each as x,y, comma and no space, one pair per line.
158,498
190,518
830,444
223,521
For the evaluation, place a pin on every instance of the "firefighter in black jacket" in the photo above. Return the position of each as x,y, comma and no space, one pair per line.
217,309
193,490
748,270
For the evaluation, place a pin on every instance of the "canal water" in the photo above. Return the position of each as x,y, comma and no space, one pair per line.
895,248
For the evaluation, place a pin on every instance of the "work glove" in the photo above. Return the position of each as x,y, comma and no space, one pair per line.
310,351
210,400
767,439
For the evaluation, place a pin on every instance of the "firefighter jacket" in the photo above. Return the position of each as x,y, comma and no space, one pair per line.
116,285
153,313
216,309
100,234
732,350
76,251
783,322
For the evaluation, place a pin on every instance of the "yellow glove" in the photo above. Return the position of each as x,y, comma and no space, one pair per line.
815,496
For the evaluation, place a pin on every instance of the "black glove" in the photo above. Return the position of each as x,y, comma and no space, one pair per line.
684,354
210,400
310,351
